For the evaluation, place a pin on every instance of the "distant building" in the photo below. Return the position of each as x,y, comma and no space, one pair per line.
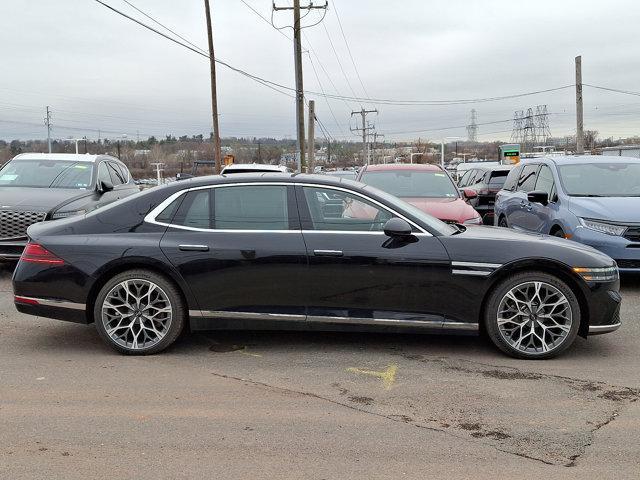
622,151
140,153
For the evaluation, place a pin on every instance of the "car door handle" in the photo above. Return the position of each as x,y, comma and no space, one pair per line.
328,253
194,248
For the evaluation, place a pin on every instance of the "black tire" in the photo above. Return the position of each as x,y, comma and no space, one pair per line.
165,289
559,233
498,294
503,222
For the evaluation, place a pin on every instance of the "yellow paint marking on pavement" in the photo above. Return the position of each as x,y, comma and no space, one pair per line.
388,375
245,352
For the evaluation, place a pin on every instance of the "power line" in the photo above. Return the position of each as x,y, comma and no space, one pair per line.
278,87
267,21
335,9
616,90
338,60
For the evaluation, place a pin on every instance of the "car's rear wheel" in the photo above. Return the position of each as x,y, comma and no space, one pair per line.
532,315
139,312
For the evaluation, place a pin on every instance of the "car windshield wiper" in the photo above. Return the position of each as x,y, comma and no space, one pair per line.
459,228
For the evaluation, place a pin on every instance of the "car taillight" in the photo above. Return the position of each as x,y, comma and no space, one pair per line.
36,253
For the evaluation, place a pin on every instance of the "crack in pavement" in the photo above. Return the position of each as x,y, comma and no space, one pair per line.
503,372
393,418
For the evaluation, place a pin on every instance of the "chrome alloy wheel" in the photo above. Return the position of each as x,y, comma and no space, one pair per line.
136,314
534,317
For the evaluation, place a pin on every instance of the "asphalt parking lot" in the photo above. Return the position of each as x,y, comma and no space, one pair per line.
314,405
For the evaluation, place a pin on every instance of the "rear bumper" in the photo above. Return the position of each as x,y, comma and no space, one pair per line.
52,308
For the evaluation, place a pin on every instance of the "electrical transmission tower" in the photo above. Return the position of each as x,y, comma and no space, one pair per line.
297,55
529,131
472,128
518,123
543,132
364,129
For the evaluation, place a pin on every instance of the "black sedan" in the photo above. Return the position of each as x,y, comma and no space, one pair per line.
277,251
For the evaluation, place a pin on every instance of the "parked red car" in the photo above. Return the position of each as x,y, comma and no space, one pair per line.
428,187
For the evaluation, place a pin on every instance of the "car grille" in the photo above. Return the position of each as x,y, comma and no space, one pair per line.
633,234
14,224
628,263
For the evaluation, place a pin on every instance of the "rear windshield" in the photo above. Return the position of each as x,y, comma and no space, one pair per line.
498,178
601,179
46,174
412,183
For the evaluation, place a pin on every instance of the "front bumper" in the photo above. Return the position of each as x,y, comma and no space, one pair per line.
604,308
624,252
12,249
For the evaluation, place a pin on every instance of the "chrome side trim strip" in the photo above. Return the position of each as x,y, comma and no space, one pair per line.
50,302
460,326
246,315
476,264
375,321
475,273
604,328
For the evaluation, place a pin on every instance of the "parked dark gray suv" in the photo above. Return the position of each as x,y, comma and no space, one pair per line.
46,186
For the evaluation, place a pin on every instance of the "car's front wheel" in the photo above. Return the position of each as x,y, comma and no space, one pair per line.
139,312
532,315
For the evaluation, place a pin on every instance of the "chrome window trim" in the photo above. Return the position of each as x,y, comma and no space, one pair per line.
151,216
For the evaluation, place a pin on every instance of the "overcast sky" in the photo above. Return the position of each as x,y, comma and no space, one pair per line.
100,71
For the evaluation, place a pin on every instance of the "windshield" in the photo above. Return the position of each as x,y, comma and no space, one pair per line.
46,174
412,183
601,179
424,218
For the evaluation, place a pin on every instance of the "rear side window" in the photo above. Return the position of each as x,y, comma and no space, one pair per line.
251,208
527,179
194,211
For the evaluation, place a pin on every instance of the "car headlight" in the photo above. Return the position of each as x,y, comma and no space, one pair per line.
603,227
67,213
473,221
604,274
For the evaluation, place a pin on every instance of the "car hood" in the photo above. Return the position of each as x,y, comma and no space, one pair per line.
504,245
37,199
452,209
612,209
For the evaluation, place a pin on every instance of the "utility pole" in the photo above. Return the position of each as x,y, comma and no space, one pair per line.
312,139
214,96
297,56
579,114
375,144
364,129
159,171
47,122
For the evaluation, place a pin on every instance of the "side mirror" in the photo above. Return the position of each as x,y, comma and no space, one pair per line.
105,186
538,197
397,227
469,193
183,176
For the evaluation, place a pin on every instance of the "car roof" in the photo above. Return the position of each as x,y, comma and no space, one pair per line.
404,166
254,166
73,157
493,168
579,159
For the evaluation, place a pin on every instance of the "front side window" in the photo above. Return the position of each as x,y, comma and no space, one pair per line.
116,174
527,179
47,174
338,210
412,183
261,207
464,181
512,179
545,180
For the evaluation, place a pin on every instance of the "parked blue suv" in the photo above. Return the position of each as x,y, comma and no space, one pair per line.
593,200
